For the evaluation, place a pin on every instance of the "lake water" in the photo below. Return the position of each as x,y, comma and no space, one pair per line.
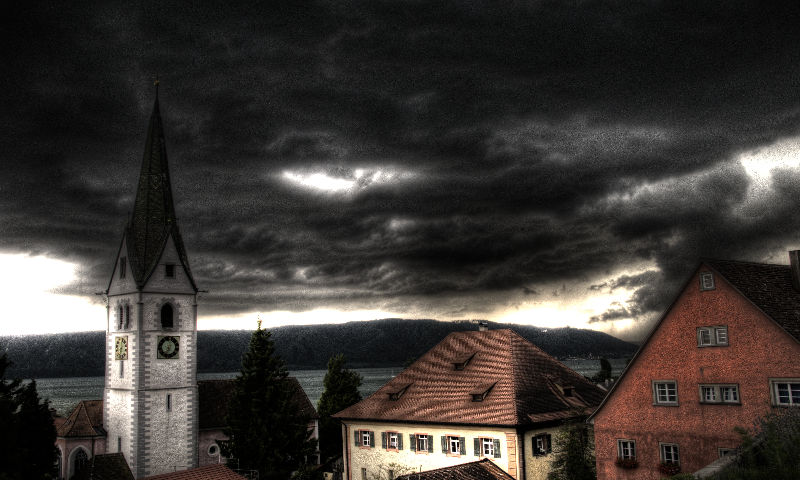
65,393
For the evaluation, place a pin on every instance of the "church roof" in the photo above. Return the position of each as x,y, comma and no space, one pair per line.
493,377
153,220
85,420
109,466
208,472
481,470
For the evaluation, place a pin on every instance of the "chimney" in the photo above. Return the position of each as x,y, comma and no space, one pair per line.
484,325
794,266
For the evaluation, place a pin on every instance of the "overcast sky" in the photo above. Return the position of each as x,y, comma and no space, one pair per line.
551,163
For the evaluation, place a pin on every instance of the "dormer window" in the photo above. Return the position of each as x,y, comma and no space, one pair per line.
481,392
395,395
123,266
706,281
460,363
169,270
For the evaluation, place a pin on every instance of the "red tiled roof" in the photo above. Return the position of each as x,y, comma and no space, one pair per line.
109,466
214,396
526,384
481,470
769,287
85,420
208,472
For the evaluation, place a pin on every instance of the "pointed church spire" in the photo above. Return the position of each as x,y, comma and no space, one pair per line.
153,219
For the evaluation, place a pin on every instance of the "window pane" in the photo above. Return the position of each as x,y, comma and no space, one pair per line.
722,335
705,336
795,392
783,393
730,394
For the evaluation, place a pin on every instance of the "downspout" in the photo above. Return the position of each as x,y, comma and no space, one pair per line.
521,452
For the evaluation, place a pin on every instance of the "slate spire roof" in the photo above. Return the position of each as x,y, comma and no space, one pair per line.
494,377
85,420
153,220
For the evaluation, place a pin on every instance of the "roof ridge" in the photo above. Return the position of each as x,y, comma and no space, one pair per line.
745,262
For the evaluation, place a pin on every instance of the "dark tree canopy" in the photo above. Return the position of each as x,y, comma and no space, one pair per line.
27,442
266,428
341,391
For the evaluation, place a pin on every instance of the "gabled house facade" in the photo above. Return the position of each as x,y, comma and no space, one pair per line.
725,353
476,395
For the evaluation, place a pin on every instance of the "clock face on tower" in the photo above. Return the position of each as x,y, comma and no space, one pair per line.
121,348
167,347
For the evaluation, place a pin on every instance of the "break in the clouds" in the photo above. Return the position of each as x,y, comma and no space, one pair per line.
427,159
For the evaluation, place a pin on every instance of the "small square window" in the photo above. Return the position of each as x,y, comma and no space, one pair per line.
169,270
786,393
487,447
706,281
541,444
712,336
665,392
422,442
626,449
392,440
717,393
669,454
724,452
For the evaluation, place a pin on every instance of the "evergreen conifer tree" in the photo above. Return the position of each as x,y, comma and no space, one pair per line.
341,391
27,442
267,431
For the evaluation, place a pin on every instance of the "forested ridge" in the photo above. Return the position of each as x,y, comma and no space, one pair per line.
378,343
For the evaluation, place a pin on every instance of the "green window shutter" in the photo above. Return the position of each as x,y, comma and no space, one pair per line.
444,444
355,436
383,440
476,447
372,439
462,445
399,441
496,448
412,439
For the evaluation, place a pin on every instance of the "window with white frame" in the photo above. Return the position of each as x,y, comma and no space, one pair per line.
669,453
421,442
786,392
716,336
626,449
487,447
453,445
706,281
364,438
392,440
665,392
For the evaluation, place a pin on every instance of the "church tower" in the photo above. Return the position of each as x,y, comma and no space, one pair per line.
150,397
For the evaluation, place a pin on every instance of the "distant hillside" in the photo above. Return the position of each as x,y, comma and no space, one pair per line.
378,343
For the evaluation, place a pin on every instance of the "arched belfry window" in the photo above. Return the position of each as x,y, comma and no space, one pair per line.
166,316
119,318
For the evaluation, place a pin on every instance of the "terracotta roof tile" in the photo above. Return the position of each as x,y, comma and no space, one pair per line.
769,287
85,420
208,472
481,470
110,466
525,383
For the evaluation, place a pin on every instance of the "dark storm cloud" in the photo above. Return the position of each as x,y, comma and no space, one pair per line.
531,143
